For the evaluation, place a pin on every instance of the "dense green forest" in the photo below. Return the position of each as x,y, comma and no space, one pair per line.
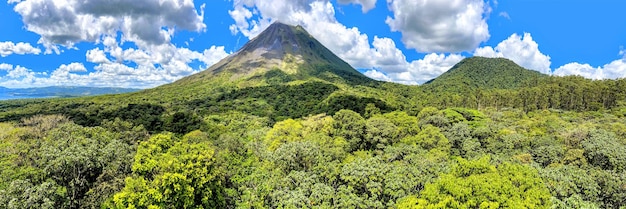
321,135
449,158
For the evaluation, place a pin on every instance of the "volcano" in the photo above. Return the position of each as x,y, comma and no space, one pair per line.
285,51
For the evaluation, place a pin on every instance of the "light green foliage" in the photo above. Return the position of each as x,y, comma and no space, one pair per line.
453,116
285,131
427,112
429,138
479,184
297,156
406,125
379,133
371,110
170,172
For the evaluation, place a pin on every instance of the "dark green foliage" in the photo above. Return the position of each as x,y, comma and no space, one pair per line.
183,122
147,115
284,101
355,103
602,149
67,165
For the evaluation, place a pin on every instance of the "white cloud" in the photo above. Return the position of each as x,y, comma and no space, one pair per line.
154,67
376,75
575,68
385,55
505,15
418,71
96,56
145,22
440,26
13,72
5,66
522,50
366,5
7,48
613,70
149,24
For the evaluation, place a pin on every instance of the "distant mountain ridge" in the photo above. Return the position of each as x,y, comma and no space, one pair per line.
483,73
59,91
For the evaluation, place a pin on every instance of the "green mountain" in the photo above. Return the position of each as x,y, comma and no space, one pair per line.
280,54
482,73
284,72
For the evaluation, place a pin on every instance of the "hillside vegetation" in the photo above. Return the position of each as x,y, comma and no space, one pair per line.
322,136
482,73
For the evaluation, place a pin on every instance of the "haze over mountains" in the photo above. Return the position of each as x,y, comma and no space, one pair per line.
59,91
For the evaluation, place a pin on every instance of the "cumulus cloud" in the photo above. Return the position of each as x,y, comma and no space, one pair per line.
522,50
440,26
149,25
145,22
418,71
377,75
613,70
96,56
366,5
153,67
5,66
13,72
7,48
584,70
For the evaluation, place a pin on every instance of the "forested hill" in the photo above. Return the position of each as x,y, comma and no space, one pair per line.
482,73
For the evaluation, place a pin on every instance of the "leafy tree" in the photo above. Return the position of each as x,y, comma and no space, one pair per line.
379,132
183,122
429,138
173,173
285,131
80,159
474,184
603,150
23,194
350,126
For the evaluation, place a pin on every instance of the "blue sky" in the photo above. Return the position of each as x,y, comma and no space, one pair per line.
146,43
